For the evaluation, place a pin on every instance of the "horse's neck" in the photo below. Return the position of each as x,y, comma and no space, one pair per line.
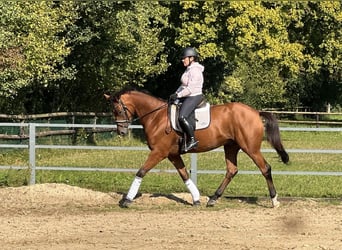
145,104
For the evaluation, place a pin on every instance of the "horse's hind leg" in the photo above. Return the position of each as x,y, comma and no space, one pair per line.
265,169
231,165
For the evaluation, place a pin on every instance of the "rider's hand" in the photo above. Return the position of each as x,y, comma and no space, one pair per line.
173,97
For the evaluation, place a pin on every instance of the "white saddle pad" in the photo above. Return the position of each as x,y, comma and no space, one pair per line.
202,116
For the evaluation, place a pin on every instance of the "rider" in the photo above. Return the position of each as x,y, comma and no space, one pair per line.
190,94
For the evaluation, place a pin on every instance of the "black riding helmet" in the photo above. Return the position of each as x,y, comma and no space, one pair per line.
188,52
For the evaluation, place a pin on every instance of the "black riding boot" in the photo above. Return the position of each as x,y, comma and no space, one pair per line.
191,142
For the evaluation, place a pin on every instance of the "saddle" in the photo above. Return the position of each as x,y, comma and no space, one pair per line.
201,116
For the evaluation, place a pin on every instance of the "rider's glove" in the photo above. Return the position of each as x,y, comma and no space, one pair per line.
173,97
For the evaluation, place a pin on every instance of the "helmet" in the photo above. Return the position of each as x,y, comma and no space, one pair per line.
187,52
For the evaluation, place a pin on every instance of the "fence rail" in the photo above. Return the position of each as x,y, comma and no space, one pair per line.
32,146
95,115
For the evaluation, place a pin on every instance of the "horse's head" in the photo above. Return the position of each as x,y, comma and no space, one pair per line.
122,115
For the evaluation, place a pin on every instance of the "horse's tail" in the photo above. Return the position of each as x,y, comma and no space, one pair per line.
273,135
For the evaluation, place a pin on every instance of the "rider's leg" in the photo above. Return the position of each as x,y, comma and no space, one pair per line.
189,130
188,106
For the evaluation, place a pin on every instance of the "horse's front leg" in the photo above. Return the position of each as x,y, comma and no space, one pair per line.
153,159
177,161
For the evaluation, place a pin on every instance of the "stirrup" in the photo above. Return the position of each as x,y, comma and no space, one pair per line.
192,145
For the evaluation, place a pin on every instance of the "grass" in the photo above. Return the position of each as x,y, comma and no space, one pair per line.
242,185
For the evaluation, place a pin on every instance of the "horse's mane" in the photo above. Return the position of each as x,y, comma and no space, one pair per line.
124,90
129,88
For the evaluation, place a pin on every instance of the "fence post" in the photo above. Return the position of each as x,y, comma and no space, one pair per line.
317,120
193,168
32,152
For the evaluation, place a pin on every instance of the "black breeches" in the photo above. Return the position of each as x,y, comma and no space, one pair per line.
189,105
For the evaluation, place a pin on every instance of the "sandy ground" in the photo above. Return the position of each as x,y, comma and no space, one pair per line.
57,216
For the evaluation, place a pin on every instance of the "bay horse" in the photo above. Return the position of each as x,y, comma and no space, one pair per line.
235,126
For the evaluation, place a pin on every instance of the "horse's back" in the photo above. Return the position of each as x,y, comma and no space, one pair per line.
238,120
237,111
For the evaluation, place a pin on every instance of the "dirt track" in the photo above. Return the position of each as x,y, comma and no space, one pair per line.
57,216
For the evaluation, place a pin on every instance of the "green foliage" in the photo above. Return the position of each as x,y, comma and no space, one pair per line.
138,36
116,43
273,50
266,57
317,27
64,55
32,50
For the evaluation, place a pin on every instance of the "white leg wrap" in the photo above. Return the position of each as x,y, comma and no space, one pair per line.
275,202
193,190
133,190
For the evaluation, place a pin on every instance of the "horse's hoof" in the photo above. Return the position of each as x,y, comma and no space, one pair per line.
275,202
211,203
125,203
196,204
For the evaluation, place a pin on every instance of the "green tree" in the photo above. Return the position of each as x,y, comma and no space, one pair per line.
203,26
64,55
247,43
267,54
265,50
32,51
116,43
317,26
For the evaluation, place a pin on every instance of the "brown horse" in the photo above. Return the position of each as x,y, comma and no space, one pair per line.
234,126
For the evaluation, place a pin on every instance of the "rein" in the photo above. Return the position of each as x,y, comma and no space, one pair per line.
148,113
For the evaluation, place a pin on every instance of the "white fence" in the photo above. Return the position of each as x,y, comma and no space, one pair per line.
32,146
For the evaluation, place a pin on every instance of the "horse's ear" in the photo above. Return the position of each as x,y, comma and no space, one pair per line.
107,97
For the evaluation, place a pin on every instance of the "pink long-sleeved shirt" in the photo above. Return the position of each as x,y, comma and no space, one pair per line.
192,81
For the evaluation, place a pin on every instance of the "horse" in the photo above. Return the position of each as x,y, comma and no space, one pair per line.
235,126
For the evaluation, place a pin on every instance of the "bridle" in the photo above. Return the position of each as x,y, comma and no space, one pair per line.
124,111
